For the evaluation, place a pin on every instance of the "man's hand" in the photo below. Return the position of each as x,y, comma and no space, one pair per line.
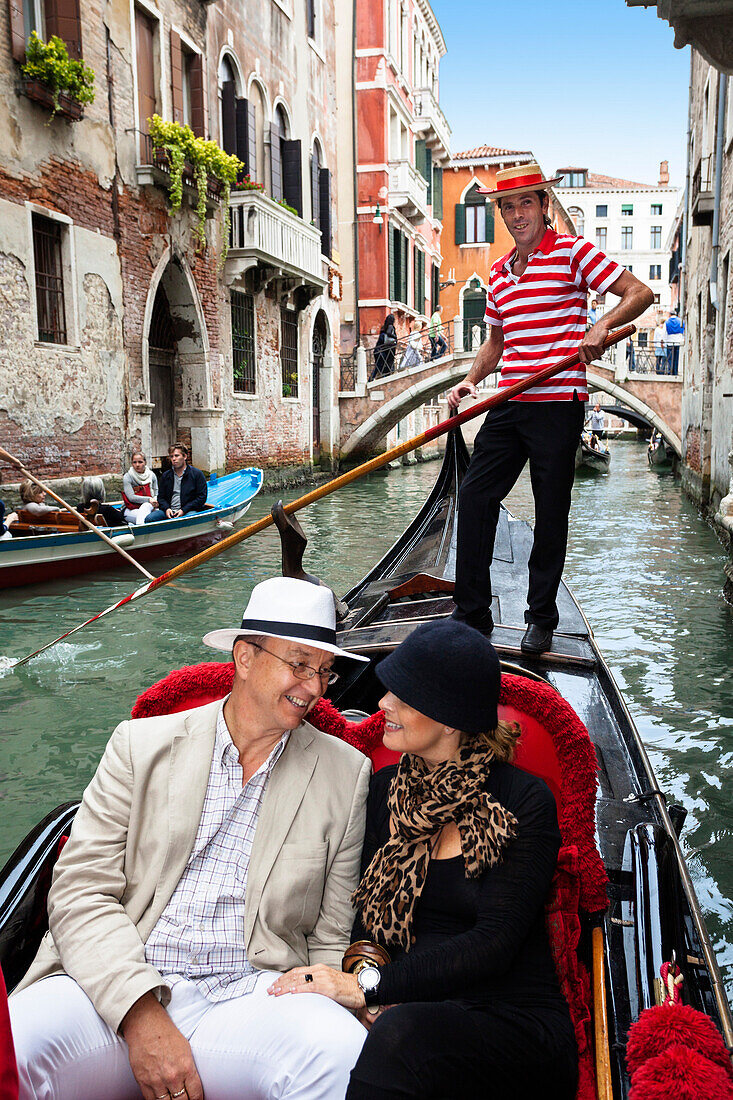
173,513
463,389
340,987
592,344
160,1057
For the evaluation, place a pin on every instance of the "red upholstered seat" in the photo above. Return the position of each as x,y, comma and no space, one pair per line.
8,1068
554,745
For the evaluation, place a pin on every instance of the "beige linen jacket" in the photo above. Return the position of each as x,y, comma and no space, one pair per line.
135,830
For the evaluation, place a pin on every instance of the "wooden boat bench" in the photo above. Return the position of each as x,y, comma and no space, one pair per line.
59,522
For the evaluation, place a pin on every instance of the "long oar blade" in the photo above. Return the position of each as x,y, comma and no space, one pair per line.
337,483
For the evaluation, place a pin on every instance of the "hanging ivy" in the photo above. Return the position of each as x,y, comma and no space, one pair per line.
207,159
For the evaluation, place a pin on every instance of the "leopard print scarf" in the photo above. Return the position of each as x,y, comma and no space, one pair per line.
420,803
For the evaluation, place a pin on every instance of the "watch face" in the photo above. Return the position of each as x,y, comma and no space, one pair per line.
369,979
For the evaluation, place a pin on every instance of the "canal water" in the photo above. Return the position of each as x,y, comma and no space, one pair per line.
646,570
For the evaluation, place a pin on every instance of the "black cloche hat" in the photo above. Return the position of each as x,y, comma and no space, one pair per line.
448,671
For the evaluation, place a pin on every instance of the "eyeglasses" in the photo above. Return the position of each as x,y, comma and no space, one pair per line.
301,670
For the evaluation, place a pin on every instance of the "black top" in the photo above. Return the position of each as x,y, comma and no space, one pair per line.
478,940
193,490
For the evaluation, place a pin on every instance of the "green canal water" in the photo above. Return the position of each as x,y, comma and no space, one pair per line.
647,572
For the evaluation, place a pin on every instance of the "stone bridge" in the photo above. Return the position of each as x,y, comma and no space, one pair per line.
372,409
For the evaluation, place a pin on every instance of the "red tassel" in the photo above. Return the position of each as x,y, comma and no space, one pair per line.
680,1074
675,1025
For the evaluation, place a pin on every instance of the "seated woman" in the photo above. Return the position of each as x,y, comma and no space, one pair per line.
33,499
5,521
459,853
92,488
140,491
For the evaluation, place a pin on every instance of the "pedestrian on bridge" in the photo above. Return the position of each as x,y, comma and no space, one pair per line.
536,310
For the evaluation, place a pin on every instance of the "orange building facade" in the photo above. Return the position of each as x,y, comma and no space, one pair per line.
475,235
403,147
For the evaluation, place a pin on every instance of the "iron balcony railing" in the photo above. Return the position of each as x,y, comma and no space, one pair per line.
702,179
155,161
409,353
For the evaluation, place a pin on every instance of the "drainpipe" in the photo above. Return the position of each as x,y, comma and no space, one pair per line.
354,128
722,85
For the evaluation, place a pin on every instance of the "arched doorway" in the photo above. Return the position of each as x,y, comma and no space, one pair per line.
319,344
474,308
161,365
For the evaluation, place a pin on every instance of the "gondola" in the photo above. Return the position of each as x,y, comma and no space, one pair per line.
48,551
651,915
592,459
659,453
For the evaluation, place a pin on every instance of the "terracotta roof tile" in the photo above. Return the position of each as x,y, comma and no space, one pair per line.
489,151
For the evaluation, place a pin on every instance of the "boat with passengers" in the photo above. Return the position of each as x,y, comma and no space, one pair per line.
622,908
53,546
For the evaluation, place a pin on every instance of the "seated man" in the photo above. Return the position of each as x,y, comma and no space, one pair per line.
213,850
182,488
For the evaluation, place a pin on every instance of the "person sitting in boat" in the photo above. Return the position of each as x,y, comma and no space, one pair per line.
594,442
459,855
140,490
5,521
92,488
182,487
33,499
213,850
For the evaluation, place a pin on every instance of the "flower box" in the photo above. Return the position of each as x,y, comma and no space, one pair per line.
214,186
68,107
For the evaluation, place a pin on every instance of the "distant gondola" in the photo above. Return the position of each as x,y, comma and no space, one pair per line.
659,453
653,915
589,458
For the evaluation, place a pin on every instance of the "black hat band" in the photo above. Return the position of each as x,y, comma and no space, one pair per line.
268,626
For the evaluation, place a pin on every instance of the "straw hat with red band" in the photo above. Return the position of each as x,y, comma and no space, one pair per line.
517,181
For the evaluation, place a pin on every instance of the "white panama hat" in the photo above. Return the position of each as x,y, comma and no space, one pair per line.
294,610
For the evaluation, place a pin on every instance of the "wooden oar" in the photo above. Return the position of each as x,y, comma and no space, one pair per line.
82,519
331,486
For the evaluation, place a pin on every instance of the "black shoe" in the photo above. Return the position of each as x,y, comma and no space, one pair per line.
483,620
536,639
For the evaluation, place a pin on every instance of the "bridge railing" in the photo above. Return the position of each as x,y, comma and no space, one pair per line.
409,352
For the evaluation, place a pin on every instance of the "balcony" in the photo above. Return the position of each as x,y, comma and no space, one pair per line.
431,124
703,199
265,236
408,191
153,169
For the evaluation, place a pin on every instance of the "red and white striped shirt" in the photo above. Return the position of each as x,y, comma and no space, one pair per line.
543,311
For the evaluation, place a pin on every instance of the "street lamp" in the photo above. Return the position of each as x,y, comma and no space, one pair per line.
378,219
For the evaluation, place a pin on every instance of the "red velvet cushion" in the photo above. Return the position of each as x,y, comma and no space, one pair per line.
8,1068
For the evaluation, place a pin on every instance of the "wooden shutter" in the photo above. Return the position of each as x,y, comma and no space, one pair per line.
63,19
428,173
419,296
177,76
198,98
252,142
438,194
460,223
241,126
420,150
489,222
229,117
315,189
276,166
324,193
435,287
403,266
391,251
292,174
17,29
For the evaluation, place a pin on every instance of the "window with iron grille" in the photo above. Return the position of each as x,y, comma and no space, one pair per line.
244,360
289,351
50,304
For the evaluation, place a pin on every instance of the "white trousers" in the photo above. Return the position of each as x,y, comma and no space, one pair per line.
137,515
298,1046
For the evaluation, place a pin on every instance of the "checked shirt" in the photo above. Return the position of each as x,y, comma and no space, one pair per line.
200,934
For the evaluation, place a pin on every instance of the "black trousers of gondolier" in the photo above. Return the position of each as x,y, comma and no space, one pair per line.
547,434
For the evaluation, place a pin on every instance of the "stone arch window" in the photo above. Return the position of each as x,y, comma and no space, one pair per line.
230,83
578,218
257,114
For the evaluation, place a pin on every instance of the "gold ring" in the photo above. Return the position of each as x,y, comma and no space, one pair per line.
164,1096
179,1093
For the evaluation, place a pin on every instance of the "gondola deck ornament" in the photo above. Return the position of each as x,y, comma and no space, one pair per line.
412,444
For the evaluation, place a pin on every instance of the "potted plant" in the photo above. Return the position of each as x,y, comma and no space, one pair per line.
54,79
200,163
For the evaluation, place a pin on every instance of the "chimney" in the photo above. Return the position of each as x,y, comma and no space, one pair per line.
664,173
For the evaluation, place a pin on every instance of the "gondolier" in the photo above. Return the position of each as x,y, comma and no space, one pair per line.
536,309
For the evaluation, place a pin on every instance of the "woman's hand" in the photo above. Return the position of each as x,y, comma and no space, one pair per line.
340,987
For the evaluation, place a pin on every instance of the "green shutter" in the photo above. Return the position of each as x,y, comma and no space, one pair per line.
438,194
403,270
421,149
460,223
489,223
428,173
419,295
392,284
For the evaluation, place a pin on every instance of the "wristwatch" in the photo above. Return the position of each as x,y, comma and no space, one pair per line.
369,979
